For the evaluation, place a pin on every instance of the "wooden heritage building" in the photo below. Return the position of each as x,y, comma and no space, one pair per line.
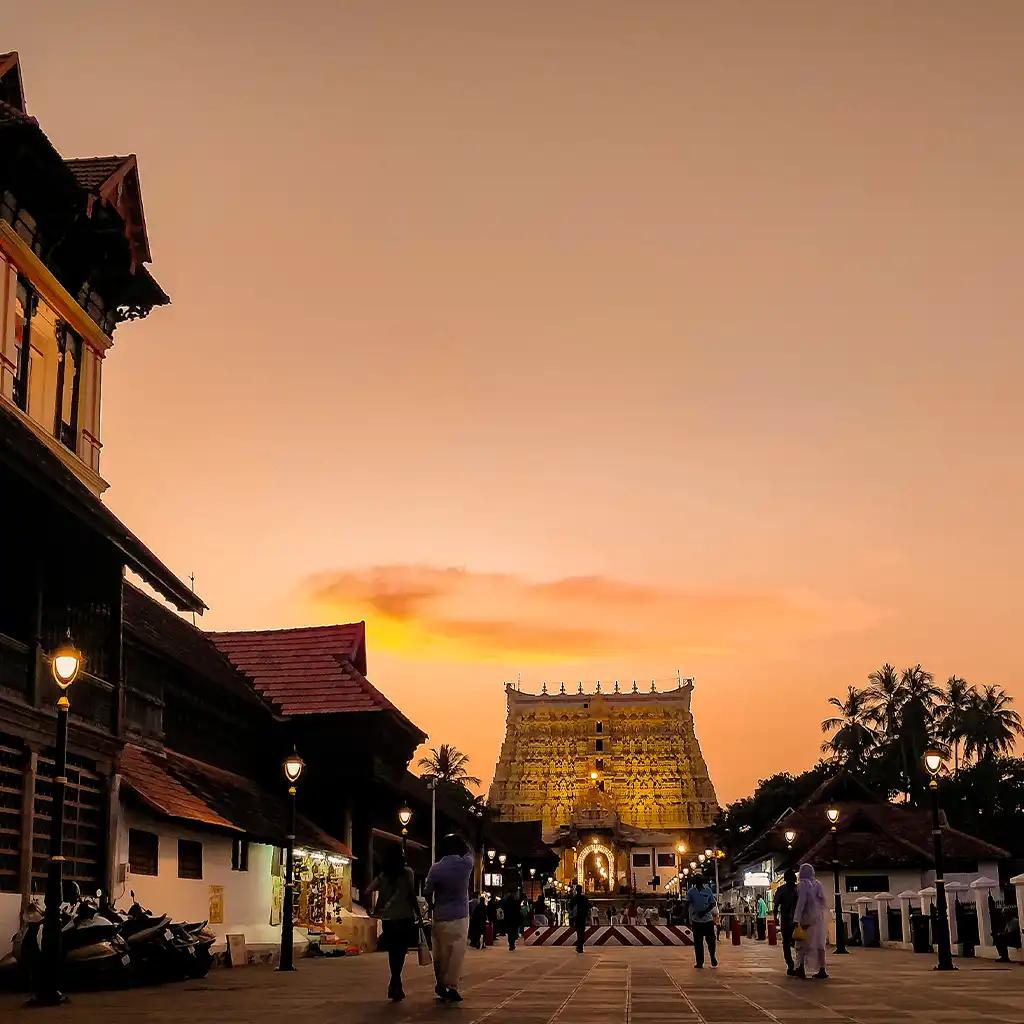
176,735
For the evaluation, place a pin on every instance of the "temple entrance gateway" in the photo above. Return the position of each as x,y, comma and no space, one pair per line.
595,869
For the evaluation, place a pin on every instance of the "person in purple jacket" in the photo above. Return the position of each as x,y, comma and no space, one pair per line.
448,889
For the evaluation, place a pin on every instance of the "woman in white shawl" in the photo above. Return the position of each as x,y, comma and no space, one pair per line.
810,915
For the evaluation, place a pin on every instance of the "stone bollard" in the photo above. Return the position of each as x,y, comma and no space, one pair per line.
882,900
952,889
981,887
1018,886
906,898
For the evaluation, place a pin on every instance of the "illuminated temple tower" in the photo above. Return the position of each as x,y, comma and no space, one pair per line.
617,779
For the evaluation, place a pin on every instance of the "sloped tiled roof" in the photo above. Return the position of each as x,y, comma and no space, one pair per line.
308,671
154,626
872,832
92,171
182,788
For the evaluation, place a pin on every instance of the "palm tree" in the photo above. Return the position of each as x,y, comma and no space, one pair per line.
918,722
991,725
885,696
957,702
854,734
448,764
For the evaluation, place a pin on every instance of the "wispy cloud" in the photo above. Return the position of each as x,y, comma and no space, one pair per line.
466,615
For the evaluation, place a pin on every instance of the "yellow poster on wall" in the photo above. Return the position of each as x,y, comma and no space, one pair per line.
216,904
276,899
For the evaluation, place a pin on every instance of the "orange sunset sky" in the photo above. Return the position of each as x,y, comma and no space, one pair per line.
576,340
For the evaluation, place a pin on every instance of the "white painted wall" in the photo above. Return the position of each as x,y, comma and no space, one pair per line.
10,919
643,876
247,894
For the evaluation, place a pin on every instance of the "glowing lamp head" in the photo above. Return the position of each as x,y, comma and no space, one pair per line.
502,857
405,815
709,853
533,871
593,776
832,813
293,766
701,857
693,865
680,848
933,761
66,663
491,853
790,836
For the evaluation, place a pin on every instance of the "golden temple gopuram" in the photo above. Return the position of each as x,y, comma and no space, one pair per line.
617,778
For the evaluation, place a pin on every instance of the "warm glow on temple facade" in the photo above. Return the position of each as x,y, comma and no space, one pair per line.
617,778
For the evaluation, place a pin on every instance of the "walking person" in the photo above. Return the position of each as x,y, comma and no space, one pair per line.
579,915
810,915
397,911
478,922
762,918
785,910
702,901
448,887
512,909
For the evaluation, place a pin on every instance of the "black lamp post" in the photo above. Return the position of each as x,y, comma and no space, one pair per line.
476,809
832,813
933,762
293,767
65,663
404,817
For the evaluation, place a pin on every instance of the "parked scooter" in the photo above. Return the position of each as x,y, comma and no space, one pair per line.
93,951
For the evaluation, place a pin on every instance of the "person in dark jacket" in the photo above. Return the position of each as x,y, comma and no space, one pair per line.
397,912
579,914
478,922
512,908
785,907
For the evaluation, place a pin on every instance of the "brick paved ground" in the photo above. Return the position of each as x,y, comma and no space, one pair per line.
555,986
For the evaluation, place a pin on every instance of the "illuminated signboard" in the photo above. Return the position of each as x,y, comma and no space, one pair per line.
756,879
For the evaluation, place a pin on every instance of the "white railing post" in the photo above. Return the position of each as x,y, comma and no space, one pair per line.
981,887
906,898
952,888
882,900
1018,885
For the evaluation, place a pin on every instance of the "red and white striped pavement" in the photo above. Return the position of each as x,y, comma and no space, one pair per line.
612,935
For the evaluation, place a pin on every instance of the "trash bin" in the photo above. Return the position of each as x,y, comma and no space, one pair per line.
920,929
869,930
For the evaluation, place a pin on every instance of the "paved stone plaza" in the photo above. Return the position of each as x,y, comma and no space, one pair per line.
555,986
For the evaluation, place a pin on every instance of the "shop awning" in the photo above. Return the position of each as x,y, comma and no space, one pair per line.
181,788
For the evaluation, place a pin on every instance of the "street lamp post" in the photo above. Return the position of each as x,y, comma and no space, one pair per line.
477,811
933,762
65,664
832,813
293,767
432,786
713,855
404,817
790,835
680,850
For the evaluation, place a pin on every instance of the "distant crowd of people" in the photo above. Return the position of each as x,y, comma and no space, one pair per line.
457,922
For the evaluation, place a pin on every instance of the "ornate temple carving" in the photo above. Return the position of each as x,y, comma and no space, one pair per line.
570,758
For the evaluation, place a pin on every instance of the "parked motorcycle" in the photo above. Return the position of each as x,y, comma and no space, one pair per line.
104,946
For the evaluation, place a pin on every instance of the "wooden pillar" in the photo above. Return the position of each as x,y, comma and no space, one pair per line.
28,811
36,664
116,665
113,795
